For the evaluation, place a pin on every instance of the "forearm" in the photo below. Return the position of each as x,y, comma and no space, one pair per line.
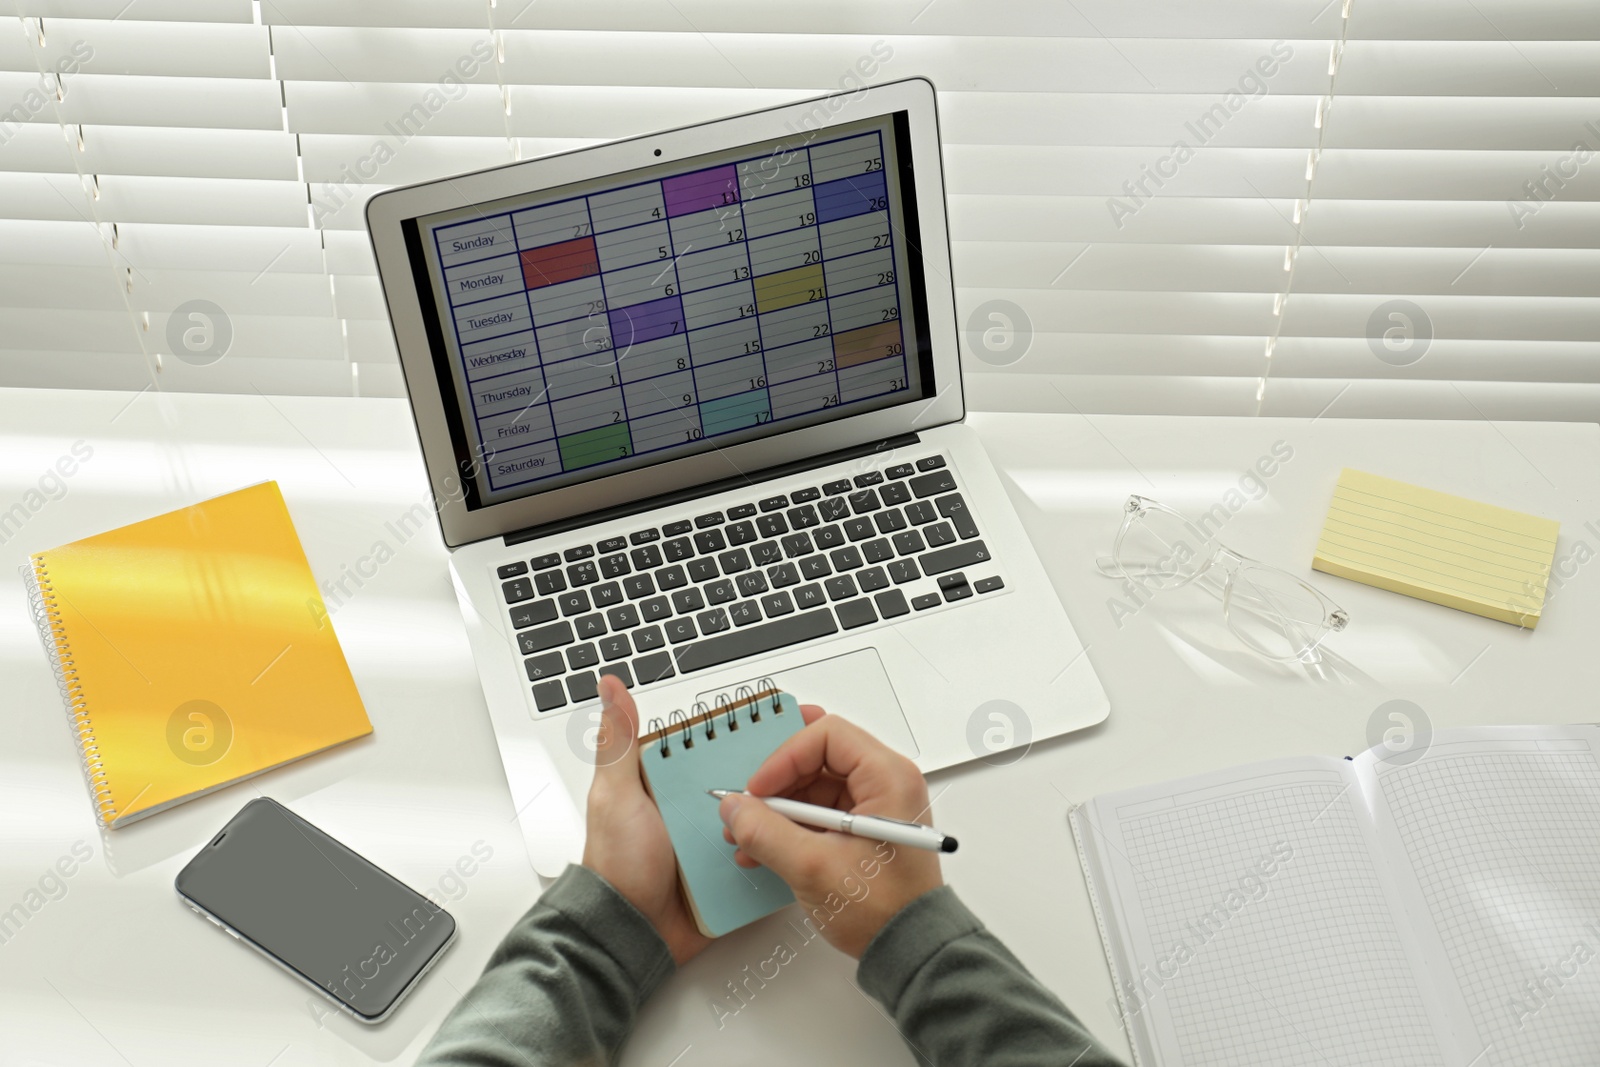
960,997
563,987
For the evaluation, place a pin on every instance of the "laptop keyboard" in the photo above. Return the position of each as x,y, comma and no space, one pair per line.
764,575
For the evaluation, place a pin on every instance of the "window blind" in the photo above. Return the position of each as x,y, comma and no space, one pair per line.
1294,207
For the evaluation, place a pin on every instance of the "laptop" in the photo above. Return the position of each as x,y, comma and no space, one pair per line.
691,408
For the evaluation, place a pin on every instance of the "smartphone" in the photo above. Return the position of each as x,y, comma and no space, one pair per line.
348,929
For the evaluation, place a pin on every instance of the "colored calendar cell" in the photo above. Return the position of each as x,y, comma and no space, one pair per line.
788,288
866,344
595,446
561,262
646,322
851,196
735,412
700,191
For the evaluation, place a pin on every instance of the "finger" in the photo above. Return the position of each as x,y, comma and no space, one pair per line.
843,750
616,752
810,713
792,852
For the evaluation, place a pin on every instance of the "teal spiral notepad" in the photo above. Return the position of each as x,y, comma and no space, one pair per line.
717,748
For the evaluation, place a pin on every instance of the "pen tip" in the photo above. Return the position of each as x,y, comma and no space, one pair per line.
718,793
947,845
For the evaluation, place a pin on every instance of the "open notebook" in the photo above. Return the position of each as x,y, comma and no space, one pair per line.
1326,911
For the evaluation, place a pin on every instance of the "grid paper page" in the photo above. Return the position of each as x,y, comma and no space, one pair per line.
1302,966
1504,838
1437,547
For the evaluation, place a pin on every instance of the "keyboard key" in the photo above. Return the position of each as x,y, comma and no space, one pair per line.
709,541
547,696
584,655
815,567
678,549
797,544
805,496
581,552
931,463
585,573
856,613
743,511
904,570
721,592
989,585
809,596
735,561
619,670
835,488
673,529
573,603
869,478
680,630
669,578
774,503
926,485
908,542
954,558
845,559
828,537
775,604
712,519
840,588
550,582
511,570
544,638
833,509
957,592
713,621
891,604
640,537
921,512
926,601
612,544
894,493
783,575
517,590
615,647
864,501
655,609
752,584
772,526
872,579
623,617
648,639
803,518
955,509
614,566
889,521
581,687
688,600
540,611
900,470
946,581
877,551
647,558
741,533
654,668
639,586
859,529
756,640
545,562
546,666
764,553
589,626
939,534
744,613
607,595
703,569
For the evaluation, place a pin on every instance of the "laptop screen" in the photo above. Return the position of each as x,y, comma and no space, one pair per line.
622,321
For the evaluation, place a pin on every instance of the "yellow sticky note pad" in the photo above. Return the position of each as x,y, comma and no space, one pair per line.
1437,547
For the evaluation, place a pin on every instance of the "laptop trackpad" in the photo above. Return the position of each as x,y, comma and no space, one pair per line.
853,686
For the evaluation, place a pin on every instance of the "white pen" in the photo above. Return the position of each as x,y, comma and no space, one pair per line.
876,827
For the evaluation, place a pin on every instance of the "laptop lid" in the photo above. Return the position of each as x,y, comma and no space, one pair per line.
592,329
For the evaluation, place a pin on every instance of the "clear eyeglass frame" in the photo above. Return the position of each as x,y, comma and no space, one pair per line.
1272,612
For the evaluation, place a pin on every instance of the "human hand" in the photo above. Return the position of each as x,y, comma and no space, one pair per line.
855,884
627,842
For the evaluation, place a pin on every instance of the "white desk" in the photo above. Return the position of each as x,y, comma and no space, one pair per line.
116,970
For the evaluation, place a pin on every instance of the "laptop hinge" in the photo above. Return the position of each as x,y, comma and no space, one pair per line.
737,481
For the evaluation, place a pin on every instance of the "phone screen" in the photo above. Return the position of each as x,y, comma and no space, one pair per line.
295,893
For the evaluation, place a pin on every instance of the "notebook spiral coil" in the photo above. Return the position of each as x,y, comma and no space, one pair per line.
47,621
703,722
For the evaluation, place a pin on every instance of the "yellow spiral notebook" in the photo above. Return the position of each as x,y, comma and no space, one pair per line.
192,651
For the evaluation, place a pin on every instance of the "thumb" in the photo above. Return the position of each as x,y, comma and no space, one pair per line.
793,853
616,752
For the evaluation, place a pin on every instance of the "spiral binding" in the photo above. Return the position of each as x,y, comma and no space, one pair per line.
706,718
58,650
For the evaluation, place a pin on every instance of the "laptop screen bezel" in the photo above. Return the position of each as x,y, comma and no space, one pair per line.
391,218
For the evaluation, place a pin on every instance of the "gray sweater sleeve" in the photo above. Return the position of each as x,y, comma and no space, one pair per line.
960,997
564,986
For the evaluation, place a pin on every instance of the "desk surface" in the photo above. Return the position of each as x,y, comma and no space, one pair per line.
108,967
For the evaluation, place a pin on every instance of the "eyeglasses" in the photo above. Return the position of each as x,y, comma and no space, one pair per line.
1274,613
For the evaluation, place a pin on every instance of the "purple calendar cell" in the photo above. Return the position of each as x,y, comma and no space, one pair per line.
701,191
646,322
